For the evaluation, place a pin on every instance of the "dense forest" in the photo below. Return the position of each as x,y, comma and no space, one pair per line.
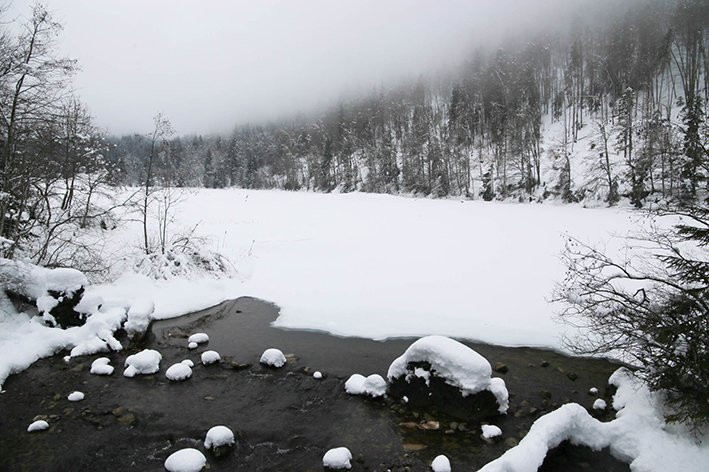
607,110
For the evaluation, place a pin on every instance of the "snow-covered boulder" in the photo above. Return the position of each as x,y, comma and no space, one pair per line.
337,459
441,372
140,315
145,362
101,366
185,460
75,396
273,358
192,345
219,440
178,372
188,363
441,464
210,357
199,338
374,385
599,404
317,375
490,431
39,425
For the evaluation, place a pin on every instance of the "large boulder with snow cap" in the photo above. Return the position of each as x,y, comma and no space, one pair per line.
441,373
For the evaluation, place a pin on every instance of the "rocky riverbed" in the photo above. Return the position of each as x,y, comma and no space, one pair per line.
284,419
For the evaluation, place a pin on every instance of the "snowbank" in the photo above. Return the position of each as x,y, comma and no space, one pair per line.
638,435
337,458
453,361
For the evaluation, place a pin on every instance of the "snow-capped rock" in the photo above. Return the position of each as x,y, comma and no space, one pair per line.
218,436
338,458
199,338
210,357
75,396
179,371
374,385
317,375
39,425
441,464
192,345
599,404
186,460
140,315
188,363
273,357
101,366
433,365
145,362
593,391
490,431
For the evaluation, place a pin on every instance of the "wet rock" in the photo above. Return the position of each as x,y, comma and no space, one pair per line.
430,425
544,364
128,419
546,394
572,376
412,447
511,442
119,411
425,393
501,368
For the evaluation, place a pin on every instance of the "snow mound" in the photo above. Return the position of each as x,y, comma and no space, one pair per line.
455,362
145,362
593,391
337,458
273,357
188,363
317,375
374,385
140,315
75,396
39,425
101,366
441,464
218,436
199,338
178,372
210,357
490,431
192,345
599,404
186,460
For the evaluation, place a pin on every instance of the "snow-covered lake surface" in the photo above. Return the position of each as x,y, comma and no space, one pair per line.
378,266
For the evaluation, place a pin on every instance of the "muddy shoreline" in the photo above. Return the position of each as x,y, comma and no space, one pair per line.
284,419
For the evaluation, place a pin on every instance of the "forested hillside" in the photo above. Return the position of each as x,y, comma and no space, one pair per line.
611,108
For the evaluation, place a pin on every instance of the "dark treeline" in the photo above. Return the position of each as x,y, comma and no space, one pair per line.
606,110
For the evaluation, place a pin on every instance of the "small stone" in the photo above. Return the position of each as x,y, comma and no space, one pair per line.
572,376
454,425
411,447
56,397
118,411
544,364
431,425
449,431
501,368
462,427
409,425
128,419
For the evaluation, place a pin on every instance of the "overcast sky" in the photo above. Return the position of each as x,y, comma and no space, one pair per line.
209,65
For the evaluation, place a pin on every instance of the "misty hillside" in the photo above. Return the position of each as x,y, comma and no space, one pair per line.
606,109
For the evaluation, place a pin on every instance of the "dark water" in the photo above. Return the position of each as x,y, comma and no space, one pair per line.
284,419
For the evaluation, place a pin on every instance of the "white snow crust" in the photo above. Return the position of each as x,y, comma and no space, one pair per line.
75,396
210,357
218,436
441,464
338,458
185,460
145,362
273,357
178,372
101,366
455,362
39,425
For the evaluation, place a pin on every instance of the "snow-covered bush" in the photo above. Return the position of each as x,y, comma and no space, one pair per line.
186,257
